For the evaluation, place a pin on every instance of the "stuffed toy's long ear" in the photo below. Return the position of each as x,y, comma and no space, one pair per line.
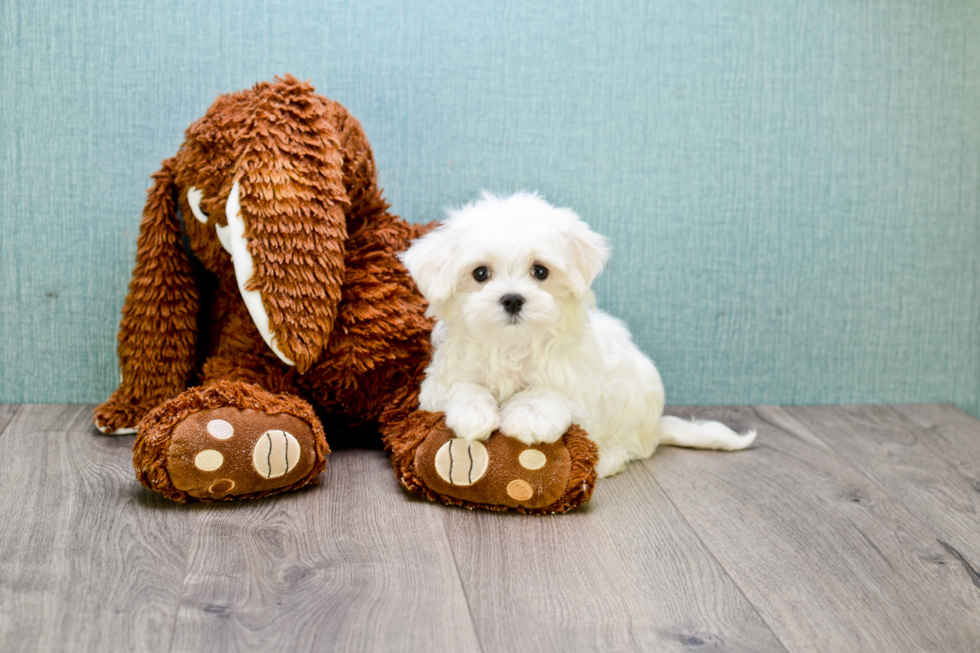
286,216
158,333
429,261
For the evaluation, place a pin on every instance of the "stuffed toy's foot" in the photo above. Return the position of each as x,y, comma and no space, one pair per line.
500,473
228,441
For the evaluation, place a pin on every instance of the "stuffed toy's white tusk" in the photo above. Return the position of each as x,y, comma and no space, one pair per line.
244,267
122,431
194,199
224,237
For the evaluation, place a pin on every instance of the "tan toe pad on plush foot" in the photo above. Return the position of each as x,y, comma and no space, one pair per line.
498,471
223,452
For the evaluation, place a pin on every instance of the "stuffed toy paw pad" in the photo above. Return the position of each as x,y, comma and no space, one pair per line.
229,441
500,473
226,451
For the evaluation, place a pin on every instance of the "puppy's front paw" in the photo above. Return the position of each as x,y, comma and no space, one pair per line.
474,420
534,422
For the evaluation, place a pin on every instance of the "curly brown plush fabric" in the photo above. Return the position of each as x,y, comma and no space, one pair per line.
159,328
324,248
150,452
421,425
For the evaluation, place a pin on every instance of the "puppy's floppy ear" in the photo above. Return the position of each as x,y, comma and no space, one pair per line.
429,261
588,252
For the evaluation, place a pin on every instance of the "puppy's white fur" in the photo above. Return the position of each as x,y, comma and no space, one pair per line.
559,360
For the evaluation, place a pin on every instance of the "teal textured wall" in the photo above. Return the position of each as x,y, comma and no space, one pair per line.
792,189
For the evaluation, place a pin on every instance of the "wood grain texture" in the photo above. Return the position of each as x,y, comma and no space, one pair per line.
625,573
6,414
90,560
353,564
828,558
842,529
926,457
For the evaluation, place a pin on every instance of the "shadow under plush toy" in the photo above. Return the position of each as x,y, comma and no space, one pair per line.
313,327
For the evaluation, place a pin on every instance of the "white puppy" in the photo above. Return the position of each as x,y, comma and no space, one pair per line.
519,345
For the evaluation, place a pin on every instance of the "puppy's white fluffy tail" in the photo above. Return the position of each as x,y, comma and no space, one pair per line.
702,435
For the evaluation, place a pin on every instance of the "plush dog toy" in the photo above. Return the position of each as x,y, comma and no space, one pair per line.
276,313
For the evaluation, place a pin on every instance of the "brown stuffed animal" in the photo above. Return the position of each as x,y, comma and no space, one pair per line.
308,304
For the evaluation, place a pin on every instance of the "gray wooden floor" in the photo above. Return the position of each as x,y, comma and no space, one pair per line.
843,529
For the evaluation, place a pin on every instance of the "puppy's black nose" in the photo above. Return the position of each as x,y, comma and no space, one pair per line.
512,303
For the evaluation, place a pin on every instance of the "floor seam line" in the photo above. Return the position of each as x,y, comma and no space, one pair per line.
914,514
183,583
711,553
12,416
462,586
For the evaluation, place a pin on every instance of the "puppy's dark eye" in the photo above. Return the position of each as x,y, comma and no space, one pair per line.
481,274
539,272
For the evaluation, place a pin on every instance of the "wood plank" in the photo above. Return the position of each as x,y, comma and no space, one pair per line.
828,558
6,413
927,457
624,573
90,560
353,564
954,435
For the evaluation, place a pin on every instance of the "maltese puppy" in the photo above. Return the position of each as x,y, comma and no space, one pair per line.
519,345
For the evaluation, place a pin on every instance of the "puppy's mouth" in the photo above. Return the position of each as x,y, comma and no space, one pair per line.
512,320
